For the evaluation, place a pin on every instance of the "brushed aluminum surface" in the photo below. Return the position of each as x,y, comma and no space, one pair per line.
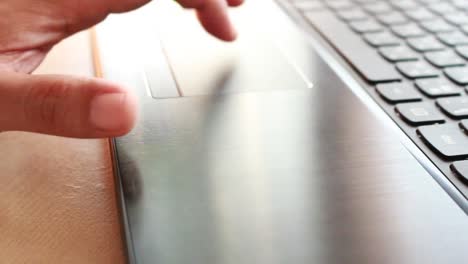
266,176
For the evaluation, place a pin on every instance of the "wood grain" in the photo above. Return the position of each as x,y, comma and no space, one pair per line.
57,198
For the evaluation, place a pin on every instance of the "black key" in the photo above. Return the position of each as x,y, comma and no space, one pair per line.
396,54
453,38
392,18
378,8
437,26
418,114
424,44
398,93
352,15
458,75
460,168
442,8
365,26
363,58
457,19
408,31
446,58
462,51
417,69
446,140
420,14
381,39
455,107
308,5
340,4
437,87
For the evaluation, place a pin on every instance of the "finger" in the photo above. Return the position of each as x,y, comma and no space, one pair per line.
234,3
65,106
213,16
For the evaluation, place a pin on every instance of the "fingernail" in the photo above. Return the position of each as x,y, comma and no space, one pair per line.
230,34
110,112
233,33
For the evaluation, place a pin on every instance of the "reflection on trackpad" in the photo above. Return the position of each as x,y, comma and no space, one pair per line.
203,65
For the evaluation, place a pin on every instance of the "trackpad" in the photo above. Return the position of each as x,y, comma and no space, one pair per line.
204,65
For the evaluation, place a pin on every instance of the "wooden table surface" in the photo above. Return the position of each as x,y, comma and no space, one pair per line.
57,199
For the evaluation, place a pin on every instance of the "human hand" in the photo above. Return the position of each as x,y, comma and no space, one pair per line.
66,105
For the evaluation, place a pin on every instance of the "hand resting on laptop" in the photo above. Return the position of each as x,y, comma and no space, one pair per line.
66,105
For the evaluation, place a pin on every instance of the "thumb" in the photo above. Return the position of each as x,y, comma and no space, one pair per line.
65,106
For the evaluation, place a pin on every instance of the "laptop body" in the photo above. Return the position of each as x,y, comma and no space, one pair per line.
268,150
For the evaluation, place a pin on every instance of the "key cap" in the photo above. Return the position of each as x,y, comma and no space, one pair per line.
436,87
460,168
377,8
398,92
462,51
455,107
365,2
392,18
397,54
428,1
457,19
455,38
352,15
437,26
381,39
362,57
405,4
446,58
460,4
448,140
421,113
309,5
442,8
424,44
417,69
465,29
408,31
365,26
340,4
459,75
420,14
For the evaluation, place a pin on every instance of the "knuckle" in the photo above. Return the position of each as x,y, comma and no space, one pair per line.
43,106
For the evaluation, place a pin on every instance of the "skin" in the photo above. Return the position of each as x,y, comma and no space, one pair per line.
66,105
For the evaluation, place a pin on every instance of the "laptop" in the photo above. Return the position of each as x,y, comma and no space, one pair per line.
330,132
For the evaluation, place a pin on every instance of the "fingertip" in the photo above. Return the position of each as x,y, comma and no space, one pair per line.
113,109
213,15
129,114
219,25
228,35
107,86
235,3
113,114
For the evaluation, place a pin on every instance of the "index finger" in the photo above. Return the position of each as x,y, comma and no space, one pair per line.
214,17
235,2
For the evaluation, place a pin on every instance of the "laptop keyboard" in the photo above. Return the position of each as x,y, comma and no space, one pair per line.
414,55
